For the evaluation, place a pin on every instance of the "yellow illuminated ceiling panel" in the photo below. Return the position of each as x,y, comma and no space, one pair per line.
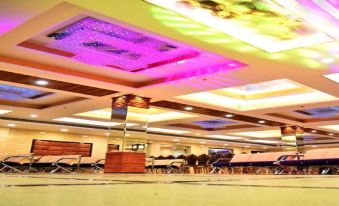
331,127
163,130
276,93
155,115
259,134
333,77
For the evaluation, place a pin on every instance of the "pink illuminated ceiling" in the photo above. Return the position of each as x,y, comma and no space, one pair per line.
96,42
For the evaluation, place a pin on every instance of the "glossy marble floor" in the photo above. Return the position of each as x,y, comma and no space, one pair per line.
160,190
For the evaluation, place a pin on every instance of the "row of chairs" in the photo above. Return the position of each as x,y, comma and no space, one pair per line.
325,161
200,164
25,163
165,165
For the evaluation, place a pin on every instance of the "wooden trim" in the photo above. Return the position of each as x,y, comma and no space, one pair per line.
213,112
54,84
232,127
38,47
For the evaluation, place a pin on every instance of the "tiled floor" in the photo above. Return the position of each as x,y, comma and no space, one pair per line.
159,190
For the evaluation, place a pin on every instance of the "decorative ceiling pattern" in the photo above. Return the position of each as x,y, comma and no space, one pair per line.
96,42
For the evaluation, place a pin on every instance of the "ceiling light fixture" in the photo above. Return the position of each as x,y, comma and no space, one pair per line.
64,130
188,108
11,125
4,111
229,115
33,115
314,131
331,134
202,142
261,121
41,82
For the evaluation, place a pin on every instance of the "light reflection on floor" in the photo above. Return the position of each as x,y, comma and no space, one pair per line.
81,189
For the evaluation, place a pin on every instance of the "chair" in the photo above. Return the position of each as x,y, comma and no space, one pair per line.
191,162
94,163
67,163
14,162
176,165
2,159
203,162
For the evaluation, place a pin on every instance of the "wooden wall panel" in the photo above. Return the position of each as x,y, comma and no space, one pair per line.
48,147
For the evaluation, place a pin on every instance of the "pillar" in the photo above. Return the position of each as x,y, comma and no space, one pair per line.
292,137
129,121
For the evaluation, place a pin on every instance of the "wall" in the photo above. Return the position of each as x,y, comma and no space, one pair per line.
19,141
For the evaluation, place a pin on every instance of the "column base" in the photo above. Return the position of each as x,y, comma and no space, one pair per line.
125,162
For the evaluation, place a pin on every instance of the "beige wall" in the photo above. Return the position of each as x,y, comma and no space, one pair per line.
19,141
197,149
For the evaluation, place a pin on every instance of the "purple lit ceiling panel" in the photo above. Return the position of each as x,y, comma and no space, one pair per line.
324,112
97,42
14,93
213,124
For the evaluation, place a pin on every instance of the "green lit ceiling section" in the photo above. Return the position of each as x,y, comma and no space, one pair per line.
318,56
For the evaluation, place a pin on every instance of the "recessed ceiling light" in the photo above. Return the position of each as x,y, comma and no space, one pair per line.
229,115
64,130
4,111
33,115
181,61
261,121
327,60
314,131
331,134
11,125
41,82
188,108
